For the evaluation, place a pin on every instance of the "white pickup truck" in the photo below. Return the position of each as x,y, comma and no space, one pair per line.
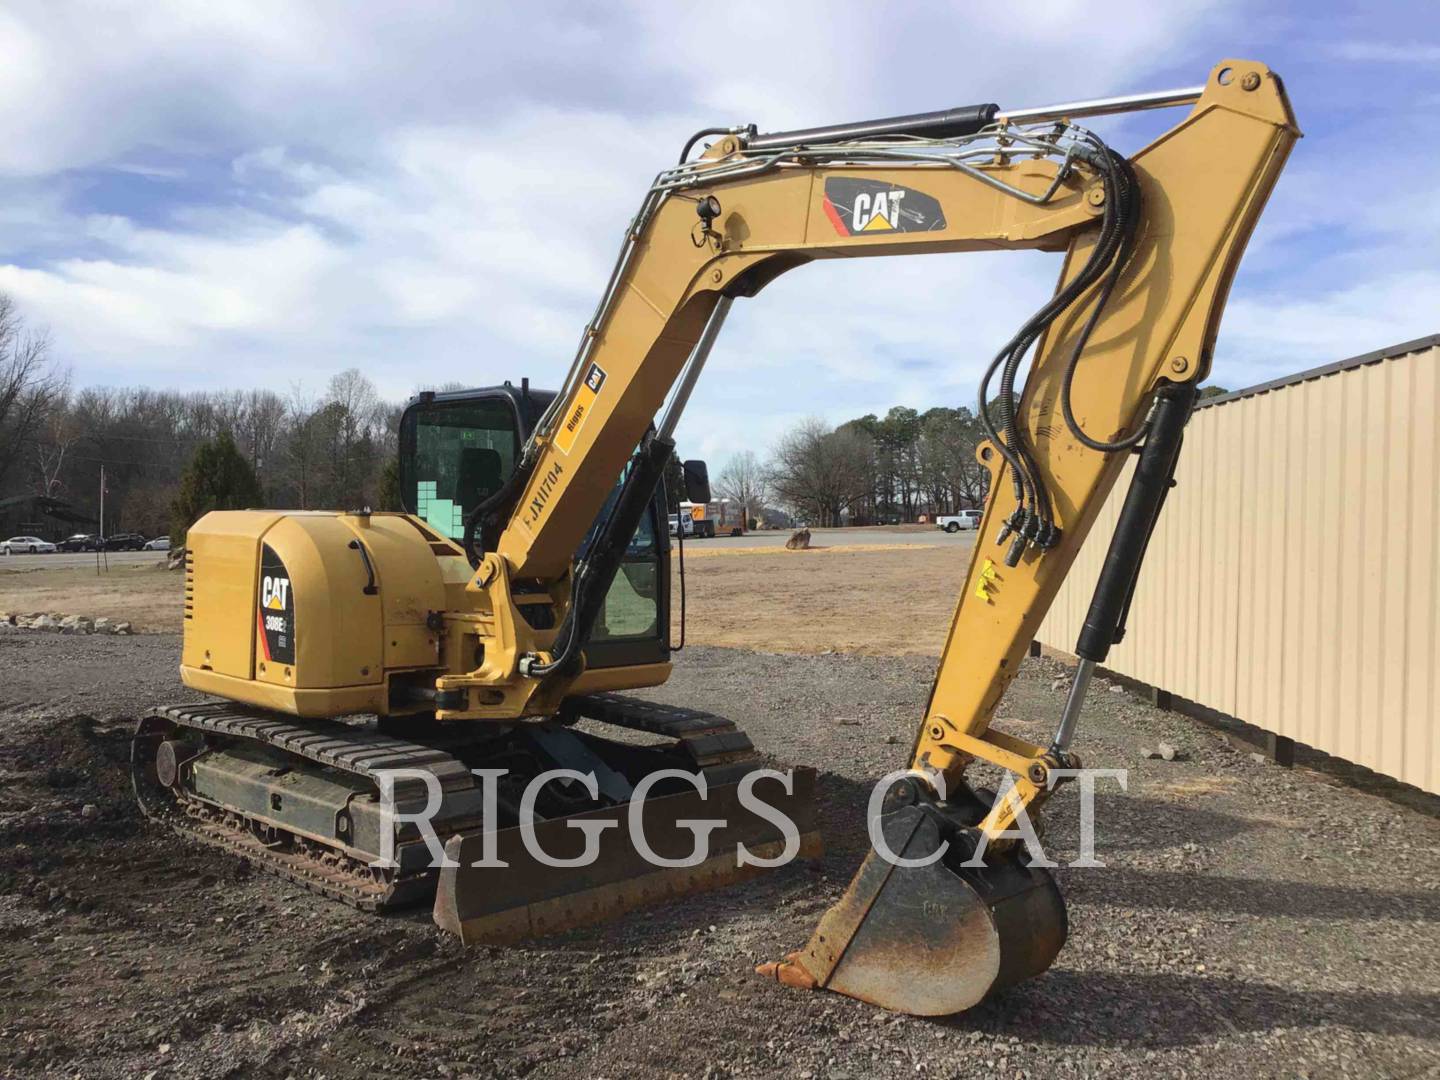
953,523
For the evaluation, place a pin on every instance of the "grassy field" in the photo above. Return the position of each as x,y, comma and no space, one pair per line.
885,600
146,596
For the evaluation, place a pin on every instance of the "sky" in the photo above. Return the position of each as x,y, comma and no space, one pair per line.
262,194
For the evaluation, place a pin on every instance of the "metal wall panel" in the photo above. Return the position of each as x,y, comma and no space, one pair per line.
1294,579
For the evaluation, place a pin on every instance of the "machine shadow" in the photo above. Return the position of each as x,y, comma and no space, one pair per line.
1199,891
1157,1011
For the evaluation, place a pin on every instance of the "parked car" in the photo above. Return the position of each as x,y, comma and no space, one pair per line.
27,545
953,523
80,542
125,542
160,543
676,521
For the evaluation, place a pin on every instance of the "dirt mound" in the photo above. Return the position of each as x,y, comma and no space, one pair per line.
79,754
70,781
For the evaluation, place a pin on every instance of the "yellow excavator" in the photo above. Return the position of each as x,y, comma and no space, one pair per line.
427,704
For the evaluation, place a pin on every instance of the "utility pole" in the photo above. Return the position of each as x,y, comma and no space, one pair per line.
100,553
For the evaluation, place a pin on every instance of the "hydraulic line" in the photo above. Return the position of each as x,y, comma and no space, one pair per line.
1032,523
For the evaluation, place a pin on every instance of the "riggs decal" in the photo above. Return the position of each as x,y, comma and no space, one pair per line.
580,409
870,206
537,503
275,616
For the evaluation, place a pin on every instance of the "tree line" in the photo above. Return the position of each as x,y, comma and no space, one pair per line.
337,450
307,451
872,470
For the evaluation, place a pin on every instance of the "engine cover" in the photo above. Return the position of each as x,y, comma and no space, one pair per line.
315,613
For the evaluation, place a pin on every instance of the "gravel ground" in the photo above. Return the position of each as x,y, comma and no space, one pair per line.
1251,921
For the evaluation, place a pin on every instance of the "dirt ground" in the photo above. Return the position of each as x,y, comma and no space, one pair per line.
770,598
1250,921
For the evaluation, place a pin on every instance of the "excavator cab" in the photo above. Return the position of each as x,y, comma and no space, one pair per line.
458,448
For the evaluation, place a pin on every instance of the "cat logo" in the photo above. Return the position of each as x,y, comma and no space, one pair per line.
867,207
273,592
580,409
275,615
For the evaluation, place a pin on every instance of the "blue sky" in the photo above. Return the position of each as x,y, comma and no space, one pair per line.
261,194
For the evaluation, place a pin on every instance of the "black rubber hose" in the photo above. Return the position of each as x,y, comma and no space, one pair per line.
1128,210
488,510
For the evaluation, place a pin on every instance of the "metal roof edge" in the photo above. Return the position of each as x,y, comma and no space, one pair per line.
1379,355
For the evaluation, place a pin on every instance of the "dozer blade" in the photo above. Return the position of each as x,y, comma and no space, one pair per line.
936,939
527,898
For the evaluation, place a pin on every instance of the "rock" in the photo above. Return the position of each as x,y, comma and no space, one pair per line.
44,622
1166,751
122,628
90,810
1116,688
1148,754
103,625
1259,759
77,624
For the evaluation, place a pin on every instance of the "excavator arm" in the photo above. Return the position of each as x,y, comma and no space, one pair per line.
1151,244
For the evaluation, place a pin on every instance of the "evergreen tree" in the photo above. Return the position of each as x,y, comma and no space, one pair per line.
388,492
217,478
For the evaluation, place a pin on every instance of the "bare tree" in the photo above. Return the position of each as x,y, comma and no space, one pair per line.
260,432
743,481
57,434
820,473
29,386
303,448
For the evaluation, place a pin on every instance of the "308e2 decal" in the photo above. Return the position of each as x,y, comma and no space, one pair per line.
866,207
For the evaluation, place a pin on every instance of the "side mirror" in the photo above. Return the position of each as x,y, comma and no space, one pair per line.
697,482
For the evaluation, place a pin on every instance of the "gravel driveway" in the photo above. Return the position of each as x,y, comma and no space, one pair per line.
1251,921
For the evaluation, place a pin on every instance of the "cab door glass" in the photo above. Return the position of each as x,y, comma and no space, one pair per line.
632,606
464,451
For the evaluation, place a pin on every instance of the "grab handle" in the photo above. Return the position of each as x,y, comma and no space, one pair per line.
370,589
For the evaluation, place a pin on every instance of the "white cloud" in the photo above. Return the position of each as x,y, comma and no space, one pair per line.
438,195
1386,52
1279,332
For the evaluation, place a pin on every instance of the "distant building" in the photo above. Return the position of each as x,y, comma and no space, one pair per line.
42,516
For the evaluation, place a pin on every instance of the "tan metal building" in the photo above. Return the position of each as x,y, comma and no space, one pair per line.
1294,578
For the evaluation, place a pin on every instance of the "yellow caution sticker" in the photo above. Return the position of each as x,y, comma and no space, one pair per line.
989,579
580,409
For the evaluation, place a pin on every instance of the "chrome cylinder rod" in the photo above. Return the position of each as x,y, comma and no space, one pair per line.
1157,99
693,366
1070,718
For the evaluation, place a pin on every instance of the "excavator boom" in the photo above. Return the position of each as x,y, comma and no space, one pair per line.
1151,244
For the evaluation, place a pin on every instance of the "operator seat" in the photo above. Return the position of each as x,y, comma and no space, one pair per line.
479,475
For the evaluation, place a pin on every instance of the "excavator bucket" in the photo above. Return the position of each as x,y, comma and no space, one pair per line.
934,937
